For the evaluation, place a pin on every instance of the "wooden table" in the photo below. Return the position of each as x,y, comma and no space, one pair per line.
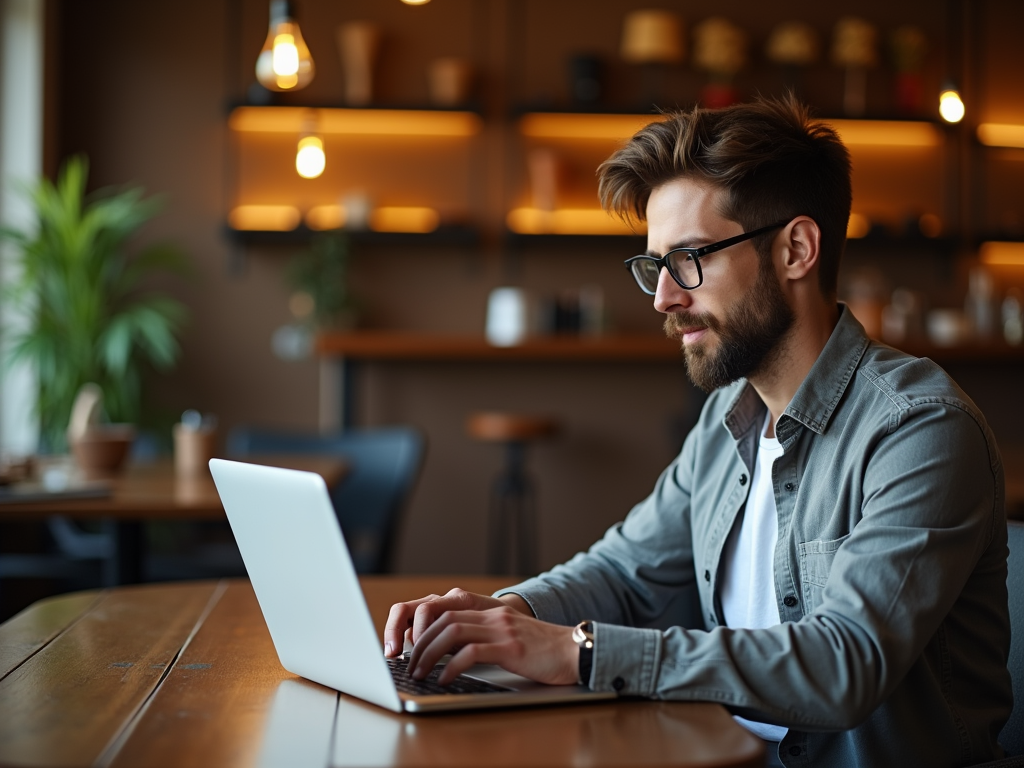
153,491
186,675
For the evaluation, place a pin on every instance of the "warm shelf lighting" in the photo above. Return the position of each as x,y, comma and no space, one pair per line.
858,226
1002,254
284,64
887,133
1001,135
568,221
368,122
951,106
404,219
567,125
310,159
324,217
265,218
415,2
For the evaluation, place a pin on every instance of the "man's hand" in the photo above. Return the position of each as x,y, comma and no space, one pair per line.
478,629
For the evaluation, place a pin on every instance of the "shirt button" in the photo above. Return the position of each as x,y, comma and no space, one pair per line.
711,618
618,683
743,479
795,751
707,575
790,486
789,601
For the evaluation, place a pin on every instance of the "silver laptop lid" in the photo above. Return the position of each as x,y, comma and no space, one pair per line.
293,548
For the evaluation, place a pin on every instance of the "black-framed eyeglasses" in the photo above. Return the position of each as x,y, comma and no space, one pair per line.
684,263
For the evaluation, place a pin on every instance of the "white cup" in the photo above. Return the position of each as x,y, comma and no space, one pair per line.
507,321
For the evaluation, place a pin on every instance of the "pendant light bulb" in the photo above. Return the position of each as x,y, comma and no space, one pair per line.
310,159
951,106
284,64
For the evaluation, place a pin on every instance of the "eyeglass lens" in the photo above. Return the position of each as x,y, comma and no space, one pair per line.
680,263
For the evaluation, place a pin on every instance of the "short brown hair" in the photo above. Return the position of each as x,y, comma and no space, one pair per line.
771,158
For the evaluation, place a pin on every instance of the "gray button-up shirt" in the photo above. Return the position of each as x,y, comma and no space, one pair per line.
890,569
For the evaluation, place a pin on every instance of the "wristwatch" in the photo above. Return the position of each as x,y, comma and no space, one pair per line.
583,634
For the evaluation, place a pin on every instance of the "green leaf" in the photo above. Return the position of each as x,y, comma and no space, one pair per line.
79,289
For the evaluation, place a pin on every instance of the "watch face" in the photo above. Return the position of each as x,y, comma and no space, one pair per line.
583,634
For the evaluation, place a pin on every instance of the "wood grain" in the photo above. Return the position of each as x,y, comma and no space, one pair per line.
215,702
99,694
602,735
24,634
64,704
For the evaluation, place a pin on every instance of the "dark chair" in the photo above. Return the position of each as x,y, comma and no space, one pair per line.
382,465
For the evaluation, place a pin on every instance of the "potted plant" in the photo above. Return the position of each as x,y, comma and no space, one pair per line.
88,314
319,277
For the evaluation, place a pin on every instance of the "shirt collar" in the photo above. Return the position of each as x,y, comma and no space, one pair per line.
818,395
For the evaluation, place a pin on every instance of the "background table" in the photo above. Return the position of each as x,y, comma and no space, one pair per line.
186,675
153,491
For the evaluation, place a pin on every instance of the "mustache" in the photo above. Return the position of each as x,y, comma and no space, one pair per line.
678,322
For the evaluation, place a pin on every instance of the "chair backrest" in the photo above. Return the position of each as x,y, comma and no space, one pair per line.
382,465
1012,735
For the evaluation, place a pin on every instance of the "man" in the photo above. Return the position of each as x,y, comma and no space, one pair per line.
836,515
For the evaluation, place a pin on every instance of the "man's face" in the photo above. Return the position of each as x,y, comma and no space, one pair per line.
730,327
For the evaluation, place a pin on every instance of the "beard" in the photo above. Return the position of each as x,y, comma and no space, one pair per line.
748,337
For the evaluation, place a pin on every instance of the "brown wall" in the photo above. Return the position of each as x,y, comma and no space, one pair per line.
144,90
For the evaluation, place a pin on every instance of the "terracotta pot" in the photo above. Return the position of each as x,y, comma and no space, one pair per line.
101,452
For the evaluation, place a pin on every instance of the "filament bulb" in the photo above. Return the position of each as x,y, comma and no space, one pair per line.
284,64
310,159
951,107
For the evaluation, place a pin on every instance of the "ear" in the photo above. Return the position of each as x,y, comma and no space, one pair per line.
798,248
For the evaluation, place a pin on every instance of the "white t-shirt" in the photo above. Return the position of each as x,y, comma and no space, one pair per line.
748,577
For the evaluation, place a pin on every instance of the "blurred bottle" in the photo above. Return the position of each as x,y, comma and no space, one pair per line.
902,317
592,316
1013,317
979,306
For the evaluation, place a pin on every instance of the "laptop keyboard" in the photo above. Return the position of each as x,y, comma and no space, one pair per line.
430,687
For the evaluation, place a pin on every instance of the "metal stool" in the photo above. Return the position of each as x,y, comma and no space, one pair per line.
512,528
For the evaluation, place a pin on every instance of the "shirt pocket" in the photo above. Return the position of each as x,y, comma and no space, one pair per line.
815,565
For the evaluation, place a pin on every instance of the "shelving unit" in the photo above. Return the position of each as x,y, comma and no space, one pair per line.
584,139
437,142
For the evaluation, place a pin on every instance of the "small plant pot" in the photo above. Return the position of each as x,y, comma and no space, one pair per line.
102,451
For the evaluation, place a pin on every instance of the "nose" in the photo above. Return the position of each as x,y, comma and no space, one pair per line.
670,296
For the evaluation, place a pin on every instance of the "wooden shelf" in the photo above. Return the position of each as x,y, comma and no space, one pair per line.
618,126
413,346
401,345
635,242
352,121
444,235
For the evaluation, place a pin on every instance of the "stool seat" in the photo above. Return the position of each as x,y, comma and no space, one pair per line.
501,427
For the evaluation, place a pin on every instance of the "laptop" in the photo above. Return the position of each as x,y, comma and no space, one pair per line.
294,551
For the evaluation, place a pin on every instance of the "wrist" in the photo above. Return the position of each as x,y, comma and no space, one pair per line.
517,603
